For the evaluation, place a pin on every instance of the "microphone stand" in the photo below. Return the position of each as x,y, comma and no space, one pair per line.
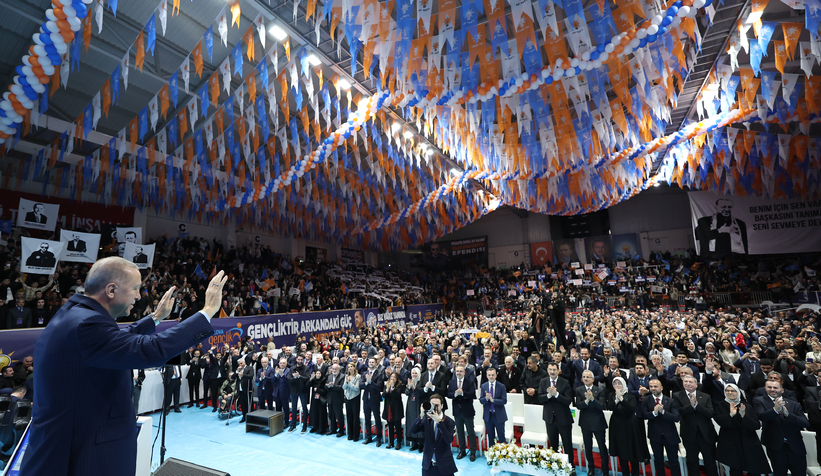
165,404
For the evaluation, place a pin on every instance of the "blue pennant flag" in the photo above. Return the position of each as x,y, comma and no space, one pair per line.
173,87
143,122
151,29
172,132
264,274
88,118
765,33
113,5
209,42
198,272
115,85
236,53
44,100
203,95
262,70
5,226
812,16
76,49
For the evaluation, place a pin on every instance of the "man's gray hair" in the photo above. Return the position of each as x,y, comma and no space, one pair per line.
106,271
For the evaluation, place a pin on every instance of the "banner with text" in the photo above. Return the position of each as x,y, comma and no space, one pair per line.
74,215
754,225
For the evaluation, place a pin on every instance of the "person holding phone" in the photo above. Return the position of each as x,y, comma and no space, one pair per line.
437,458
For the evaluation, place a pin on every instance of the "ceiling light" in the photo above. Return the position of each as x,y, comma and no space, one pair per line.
314,60
344,84
408,134
395,126
454,171
423,146
657,184
430,152
277,32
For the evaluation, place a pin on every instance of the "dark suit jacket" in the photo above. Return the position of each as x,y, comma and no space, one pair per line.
372,392
440,386
140,258
79,246
463,404
577,367
265,384
13,315
511,382
498,403
788,394
556,409
32,217
591,416
441,443
93,361
194,372
41,259
279,384
745,372
776,428
665,423
696,422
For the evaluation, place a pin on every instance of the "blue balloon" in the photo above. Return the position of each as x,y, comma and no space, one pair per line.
81,9
23,81
30,93
3,113
600,48
55,58
549,80
19,70
643,42
578,70
708,3
594,55
672,11
666,21
46,39
662,30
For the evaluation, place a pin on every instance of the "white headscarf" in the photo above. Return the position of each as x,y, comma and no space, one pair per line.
623,386
738,392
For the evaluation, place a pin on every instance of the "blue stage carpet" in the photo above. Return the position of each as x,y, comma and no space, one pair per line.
199,437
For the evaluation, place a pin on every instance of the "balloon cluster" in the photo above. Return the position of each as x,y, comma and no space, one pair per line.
620,45
64,18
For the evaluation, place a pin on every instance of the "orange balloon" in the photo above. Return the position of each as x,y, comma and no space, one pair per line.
67,35
59,13
619,49
533,78
625,40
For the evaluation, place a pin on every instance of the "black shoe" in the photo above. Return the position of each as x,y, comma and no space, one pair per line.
304,430
242,420
313,430
473,456
390,446
414,446
165,413
398,445
378,443
214,410
461,455
340,434
190,405
421,447
291,429
330,432
177,410
368,441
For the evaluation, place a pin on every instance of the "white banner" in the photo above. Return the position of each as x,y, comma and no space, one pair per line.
128,235
141,255
39,215
40,256
754,225
80,247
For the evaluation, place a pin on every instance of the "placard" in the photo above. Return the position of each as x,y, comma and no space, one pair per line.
39,215
469,292
79,247
128,235
40,256
141,255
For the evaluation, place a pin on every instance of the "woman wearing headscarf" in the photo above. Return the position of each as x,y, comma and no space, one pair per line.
738,444
412,408
627,438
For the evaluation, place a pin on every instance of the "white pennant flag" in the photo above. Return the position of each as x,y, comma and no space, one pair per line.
209,132
186,70
273,56
124,68
65,68
163,14
121,143
222,27
153,113
272,100
787,85
259,24
240,95
162,141
807,58
731,135
192,112
99,9
220,149
95,105
225,69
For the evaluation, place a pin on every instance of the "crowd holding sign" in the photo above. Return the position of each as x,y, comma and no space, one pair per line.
40,256
80,247
42,216
751,225
141,255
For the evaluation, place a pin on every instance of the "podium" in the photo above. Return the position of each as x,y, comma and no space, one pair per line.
269,419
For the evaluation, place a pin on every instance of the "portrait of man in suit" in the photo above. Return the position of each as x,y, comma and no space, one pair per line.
130,237
37,215
721,233
76,244
140,257
42,258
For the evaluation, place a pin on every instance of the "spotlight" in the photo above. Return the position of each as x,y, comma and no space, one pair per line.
344,84
408,134
277,32
314,60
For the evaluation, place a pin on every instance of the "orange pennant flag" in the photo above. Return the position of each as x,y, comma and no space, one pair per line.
252,87
248,37
164,100
106,96
175,9
792,31
139,44
235,13
87,31
287,46
198,58
780,55
133,132
214,82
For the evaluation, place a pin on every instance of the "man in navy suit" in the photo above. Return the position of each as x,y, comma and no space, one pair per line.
661,413
493,398
591,403
281,389
463,392
91,368
371,383
265,385
437,459
582,364
782,421
556,396
674,370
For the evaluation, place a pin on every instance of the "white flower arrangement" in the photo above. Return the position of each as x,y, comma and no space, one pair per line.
550,462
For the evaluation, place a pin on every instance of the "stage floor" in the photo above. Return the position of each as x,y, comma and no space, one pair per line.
199,437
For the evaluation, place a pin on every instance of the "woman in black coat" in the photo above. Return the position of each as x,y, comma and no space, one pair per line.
738,444
626,436
318,415
415,392
393,411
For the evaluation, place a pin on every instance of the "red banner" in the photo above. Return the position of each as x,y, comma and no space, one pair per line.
74,215
541,252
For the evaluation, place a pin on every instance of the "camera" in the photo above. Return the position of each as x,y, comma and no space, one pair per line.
426,406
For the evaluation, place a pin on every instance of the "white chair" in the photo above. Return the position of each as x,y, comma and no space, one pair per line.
479,426
578,438
509,435
813,469
535,431
517,415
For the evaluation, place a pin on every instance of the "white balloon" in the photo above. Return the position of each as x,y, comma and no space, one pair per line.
641,33
676,22
570,72
634,43
50,15
75,23
656,20
6,129
69,11
6,121
57,38
27,71
698,3
557,75
604,57
597,63
38,88
17,90
545,73
609,48
652,29
40,51
48,69
586,56
61,48
626,51
683,11
574,62
65,2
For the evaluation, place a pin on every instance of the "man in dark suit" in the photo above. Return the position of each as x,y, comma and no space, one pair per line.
432,382
463,392
183,312
590,401
335,395
171,376
96,359
487,361
76,244
556,396
697,431
265,384
18,316
531,380
42,258
509,376
371,383
493,397
714,380
37,216
682,362
611,371
749,365
244,386
782,421
140,257
194,378
437,459
721,233
582,364
281,390
661,413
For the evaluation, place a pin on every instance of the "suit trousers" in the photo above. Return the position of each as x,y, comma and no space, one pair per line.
242,401
661,445
266,401
787,459
601,439
495,429
395,432
172,389
631,467
206,387
281,405
466,422
295,398
708,454
215,391
555,430
335,415
372,409
194,391
352,415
